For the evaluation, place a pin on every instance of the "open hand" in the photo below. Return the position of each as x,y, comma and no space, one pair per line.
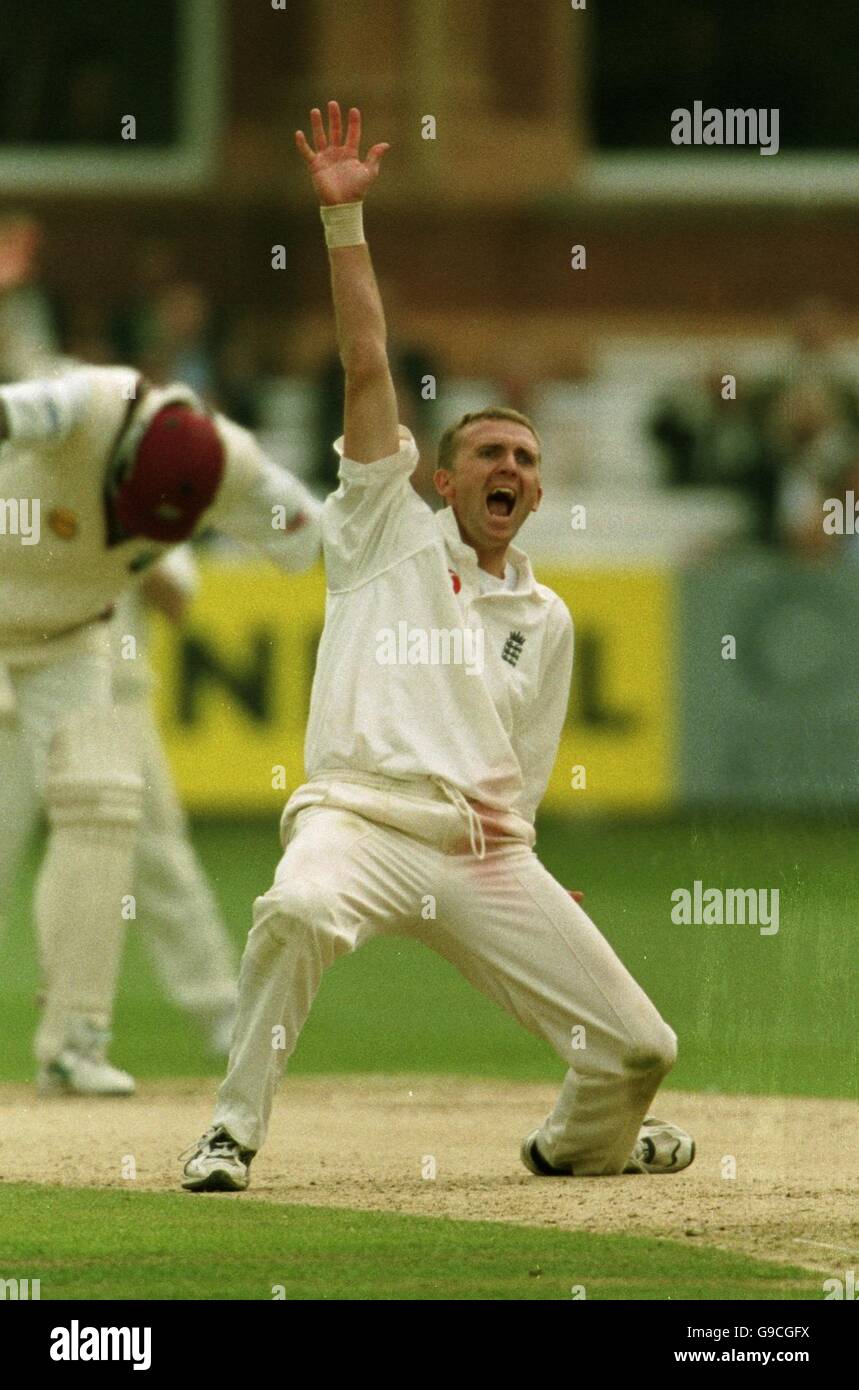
338,173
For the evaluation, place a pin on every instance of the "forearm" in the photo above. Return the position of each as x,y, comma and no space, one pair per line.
340,180
371,416
263,506
358,311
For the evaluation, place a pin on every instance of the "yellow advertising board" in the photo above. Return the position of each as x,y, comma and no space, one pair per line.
618,747
233,686
233,689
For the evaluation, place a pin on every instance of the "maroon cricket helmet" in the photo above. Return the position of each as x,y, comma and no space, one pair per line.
170,464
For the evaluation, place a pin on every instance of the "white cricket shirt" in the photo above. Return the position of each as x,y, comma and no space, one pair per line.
389,696
72,575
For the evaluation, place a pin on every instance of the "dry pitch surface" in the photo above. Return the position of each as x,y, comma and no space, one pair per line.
362,1143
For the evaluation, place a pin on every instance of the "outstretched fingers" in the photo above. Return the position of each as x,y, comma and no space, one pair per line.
353,131
303,147
351,144
335,123
317,127
374,156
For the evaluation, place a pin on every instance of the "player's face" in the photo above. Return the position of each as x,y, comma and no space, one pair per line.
495,482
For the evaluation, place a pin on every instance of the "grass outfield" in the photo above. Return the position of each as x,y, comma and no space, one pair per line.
766,1014
128,1245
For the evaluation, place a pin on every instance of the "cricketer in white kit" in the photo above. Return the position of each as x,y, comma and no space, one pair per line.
117,472
175,910
424,775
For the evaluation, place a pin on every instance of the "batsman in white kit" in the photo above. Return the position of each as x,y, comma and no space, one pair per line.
427,758
177,915
108,473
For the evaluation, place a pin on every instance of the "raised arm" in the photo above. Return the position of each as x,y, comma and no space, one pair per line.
341,180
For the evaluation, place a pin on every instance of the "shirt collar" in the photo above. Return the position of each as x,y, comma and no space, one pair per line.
465,555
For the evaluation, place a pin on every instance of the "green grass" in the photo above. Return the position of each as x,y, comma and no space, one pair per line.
765,1014
127,1245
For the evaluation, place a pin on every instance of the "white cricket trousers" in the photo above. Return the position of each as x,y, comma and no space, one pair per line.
503,921
84,766
178,917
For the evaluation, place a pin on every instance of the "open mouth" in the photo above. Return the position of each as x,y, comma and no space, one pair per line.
501,501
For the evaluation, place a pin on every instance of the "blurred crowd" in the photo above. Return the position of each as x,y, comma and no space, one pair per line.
782,440
785,440
168,326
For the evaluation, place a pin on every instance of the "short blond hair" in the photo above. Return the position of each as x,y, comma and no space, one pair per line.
449,442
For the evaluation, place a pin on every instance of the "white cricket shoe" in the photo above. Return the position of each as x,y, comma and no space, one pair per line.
218,1163
532,1156
82,1068
660,1148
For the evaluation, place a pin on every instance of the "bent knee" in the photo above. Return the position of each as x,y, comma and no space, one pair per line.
654,1051
297,909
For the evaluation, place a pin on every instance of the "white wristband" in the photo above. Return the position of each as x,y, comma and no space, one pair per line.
344,224
39,410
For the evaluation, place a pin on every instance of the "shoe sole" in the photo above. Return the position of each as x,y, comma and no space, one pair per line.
219,1180
57,1086
526,1153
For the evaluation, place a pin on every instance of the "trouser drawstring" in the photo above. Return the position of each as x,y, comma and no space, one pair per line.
476,837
